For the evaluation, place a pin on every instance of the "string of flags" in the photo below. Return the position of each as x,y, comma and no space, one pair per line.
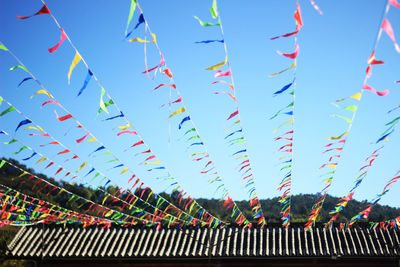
369,161
132,200
103,107
98,174
50,188
19,209
286,149
195,146
365,213
334,149
156,165
235,137
22,209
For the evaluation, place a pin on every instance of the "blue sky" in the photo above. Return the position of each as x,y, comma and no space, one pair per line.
334,49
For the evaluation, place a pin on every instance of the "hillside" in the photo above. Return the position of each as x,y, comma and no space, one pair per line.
301,204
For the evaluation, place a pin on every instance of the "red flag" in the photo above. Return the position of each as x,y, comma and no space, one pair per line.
164,84
168,73
43,10
63,152
233,115
297,16
373,61
63,118
82,138
138,143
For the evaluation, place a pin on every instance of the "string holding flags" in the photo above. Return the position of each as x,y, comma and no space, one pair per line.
198,146
286,148
333,155
369,161
143,203
238,142
104,104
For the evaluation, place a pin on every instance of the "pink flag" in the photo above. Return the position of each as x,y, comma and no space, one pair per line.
394,3
162,62
128,132
292,55
221,73
380,93
63,37
389,30
230,85
234,98
51,101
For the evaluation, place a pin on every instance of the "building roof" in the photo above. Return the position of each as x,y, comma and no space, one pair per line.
74,242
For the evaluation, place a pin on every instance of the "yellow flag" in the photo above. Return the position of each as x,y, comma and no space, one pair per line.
147,199
154,162
219,65
124,170
22,174
75,61
194,154
282,71
140,40
104,200
40,160
125,126
289,121
108,213
80,168
42,92
91,139
337,136
34,128
356,96
177,112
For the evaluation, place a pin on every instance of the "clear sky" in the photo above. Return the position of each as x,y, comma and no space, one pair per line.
334,49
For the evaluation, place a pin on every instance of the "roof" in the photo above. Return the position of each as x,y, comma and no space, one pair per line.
72,242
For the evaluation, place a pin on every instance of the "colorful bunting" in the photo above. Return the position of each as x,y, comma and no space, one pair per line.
19,67
85,82
23,122
207,24
75,61
219,65
24,80
43,10
131,11
62,38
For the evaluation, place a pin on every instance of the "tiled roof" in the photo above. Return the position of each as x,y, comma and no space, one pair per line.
71,242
